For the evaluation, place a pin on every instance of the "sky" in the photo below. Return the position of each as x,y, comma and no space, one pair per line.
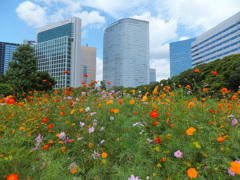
169,21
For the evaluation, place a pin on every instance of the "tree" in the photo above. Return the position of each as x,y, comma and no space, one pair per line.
22,71
44,82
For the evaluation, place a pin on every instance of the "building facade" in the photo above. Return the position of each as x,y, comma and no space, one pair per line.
88,65
180,56
152,75
218,42
58,51
6,51
126,53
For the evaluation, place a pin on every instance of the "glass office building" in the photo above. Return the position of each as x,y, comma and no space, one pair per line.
126,53
58,50
222,40
6,51
180,56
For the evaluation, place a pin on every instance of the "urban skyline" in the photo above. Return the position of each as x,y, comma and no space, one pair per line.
169,21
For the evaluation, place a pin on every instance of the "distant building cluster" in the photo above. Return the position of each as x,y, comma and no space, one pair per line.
125,52
218,42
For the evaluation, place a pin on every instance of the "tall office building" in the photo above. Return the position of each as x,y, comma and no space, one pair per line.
6,51
88,64
180,56
152,75
126,53
58,51
222,40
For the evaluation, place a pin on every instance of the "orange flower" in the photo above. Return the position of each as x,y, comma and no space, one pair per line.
188,87
224,91
220,139
166,88
154,114
192,173
190,104
168,113
66,71
64,149
44,80
214,73
83,82
235,167
12,177
114,110
196,70
190,131
104,155
163,159
108,82
61,113
155,123
90,145
132,101
85,75
204,89
46,147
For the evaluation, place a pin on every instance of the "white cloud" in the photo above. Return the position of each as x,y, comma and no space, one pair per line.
183,38
99,70
32,13
92,18
200,13
162,67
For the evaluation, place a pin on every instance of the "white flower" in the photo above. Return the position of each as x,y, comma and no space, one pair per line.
87,109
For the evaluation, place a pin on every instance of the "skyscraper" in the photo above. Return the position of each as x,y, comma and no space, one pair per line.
88,64
180,56
152,75
58,51
6,51
222,40
126,53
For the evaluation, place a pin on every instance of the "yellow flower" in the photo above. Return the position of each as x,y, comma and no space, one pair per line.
104,161
109,102
159,165
90,145
155,91
64,149
72,111
197,145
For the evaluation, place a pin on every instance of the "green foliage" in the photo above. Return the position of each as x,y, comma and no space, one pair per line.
22,71
228,70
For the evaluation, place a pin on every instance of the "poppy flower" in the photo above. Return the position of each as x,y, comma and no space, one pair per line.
154,114
12,177
157,140
214,73
66,71
46,147
50,126
44,120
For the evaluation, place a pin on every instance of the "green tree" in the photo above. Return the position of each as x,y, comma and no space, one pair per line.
22,71
44,82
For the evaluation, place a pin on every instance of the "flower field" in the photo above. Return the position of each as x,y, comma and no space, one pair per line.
101,135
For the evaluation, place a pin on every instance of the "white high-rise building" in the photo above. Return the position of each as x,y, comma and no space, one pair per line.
58,51
126,53
218,42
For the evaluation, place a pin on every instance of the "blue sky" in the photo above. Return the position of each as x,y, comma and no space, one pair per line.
169,21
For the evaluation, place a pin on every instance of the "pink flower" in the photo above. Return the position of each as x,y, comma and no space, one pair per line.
234,122
132,177
178,154
91,129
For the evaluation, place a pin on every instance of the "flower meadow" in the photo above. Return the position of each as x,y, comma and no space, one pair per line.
168,134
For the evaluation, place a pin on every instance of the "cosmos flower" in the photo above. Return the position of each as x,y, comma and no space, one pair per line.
178,154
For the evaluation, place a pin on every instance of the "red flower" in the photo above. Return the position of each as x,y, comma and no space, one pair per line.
157,140
214,73
155,123
50,126
154,114
44,80
10,101
46,147
85,75
44,120
196,70
83,82
66,71
108,82
12,177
